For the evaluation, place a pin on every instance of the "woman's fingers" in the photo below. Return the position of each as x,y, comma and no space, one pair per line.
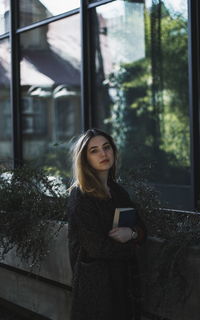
120,234
113,231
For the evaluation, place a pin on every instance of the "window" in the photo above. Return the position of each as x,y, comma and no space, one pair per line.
34,115
50,91
141,76
136,52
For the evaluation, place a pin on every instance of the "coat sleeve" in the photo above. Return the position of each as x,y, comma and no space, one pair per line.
141,230
95,242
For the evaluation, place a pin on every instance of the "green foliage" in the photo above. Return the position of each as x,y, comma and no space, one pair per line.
56,160
149,115
32,205
144,196
177,234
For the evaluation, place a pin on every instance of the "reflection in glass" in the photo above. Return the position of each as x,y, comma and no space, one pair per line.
5,108
141,90
50,90
33,11
4,16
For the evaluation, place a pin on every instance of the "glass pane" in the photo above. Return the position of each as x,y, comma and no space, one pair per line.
4,16
141,65
50,90
5,108
33,11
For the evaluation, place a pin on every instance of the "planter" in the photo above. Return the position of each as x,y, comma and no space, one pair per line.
173,296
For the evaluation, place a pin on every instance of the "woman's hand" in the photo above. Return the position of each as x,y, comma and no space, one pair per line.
121,234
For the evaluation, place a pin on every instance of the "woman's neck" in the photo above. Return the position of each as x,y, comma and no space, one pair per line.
103,177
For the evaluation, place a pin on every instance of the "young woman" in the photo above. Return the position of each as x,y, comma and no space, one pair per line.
105,275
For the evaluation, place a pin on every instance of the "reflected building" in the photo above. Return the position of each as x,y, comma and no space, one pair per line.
50,85
5,107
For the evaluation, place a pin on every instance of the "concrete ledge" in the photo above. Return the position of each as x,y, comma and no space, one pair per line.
15,312
41,298
44,291
55,266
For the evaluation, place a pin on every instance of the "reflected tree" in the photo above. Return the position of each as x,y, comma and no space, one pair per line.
149,116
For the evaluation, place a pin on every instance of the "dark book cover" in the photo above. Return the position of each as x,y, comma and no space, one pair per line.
125,217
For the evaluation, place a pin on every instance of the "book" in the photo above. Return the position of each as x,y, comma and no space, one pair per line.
125,217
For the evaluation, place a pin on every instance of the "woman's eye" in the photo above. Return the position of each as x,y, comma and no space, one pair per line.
107,147
93,151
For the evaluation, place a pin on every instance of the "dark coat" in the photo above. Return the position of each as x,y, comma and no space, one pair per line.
105,276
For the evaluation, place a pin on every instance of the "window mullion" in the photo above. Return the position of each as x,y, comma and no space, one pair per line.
85,67
15,81
194,81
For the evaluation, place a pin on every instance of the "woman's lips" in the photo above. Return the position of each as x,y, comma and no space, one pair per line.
104,161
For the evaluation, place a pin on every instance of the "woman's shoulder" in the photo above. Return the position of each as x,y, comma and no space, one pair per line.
76,194
77,197
117,187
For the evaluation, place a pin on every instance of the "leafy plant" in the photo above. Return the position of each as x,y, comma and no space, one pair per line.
32,204
174,232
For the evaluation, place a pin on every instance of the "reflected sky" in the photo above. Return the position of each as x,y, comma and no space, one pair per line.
119,17
4,5
55,7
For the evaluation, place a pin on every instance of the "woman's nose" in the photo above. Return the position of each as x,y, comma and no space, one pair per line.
103,152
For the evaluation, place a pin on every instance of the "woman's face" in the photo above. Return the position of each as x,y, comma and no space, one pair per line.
100,154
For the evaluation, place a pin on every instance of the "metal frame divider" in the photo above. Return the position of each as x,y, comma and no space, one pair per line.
194,98
4,36
47,21
15,83
85,66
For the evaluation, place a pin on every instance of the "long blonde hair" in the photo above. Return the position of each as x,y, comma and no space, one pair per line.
84,176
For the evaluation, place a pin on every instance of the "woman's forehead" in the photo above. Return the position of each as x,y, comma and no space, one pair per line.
97,141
